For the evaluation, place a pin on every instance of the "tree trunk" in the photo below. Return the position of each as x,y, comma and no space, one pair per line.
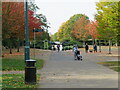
116,43
83,43
109,46
93,41
10,46
106,43
99,46
10,49
18,46
18,50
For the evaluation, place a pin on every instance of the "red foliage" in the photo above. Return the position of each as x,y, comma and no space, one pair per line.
79,30
13,20
92,29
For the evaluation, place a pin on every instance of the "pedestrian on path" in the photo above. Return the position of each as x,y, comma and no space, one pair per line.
75,49
53,48
58,47
95,47
86,48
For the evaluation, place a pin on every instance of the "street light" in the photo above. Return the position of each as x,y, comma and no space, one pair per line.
30,69
27,47
36,30
34,43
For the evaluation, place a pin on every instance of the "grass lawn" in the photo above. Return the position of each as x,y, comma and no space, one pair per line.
115,65
0,81
16,62
16,81
9,64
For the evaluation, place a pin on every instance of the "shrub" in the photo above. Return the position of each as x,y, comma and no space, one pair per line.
68,47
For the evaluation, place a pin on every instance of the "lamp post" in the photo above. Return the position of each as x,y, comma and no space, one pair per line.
27,47
36,30
30,69
34,43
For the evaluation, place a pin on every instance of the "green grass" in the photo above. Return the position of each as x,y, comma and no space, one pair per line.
0,82
115,65
116,69
16,81
110,63
9,64
16,63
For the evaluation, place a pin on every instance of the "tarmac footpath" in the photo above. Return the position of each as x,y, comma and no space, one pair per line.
62,71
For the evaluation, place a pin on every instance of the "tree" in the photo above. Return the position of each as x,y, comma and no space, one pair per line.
91,27
12,22
107,17
62,33
13,27
54,37
79,29
108,21
65,30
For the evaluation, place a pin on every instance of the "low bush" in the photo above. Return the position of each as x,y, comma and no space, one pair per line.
68,47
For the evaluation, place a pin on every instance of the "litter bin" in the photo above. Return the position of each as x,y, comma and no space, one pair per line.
30,72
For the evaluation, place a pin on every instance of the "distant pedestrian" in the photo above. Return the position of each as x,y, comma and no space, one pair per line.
53,48
75,49
95,47
58,47
62,47
86,48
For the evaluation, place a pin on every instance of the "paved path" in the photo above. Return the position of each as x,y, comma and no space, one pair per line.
61,71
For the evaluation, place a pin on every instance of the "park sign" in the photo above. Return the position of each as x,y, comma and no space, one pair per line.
37,30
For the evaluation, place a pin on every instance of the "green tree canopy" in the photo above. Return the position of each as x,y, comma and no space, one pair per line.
65,30
108,20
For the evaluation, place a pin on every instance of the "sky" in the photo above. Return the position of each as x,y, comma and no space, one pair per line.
59,11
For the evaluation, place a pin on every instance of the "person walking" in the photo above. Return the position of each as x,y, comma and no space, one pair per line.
86,48
95,47
53,48
75,48
58,47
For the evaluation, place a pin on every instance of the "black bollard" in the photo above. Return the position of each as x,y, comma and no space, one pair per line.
30,72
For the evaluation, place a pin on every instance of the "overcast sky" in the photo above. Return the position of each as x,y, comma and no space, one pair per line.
59,11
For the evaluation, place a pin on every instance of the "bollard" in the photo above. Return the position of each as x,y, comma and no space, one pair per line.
30,72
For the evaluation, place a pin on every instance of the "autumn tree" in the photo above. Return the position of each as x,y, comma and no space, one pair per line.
79,29
12,22
91,28
13,27
65,30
